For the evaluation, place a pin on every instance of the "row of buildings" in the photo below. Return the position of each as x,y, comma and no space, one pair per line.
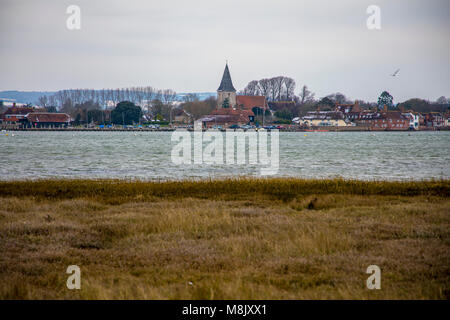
34,117
351,115
240,109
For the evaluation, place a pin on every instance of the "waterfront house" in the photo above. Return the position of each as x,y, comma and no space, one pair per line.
384,120
434,119
46,120
447,119
351,111
224,118
15,114
347,108
181,116
413,120
421,120
252,103
324,119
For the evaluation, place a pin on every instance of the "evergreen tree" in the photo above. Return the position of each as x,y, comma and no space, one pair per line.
385,99
78,119
226,103
125,112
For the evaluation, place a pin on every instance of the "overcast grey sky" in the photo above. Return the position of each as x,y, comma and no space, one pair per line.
183,45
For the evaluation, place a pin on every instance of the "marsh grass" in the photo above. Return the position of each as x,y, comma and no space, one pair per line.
227,239
286,189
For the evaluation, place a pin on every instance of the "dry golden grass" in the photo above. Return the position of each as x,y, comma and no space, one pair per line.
232,239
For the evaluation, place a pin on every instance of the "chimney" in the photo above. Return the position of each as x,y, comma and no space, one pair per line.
385,108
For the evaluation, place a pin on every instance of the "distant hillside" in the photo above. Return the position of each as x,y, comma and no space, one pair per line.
23,96
420,105
33,96
200,95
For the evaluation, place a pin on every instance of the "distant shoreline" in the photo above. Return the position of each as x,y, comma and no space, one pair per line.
331,129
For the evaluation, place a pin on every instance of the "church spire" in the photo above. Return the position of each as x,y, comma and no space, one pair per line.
226,84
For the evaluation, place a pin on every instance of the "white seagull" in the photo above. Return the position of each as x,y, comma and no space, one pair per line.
395,73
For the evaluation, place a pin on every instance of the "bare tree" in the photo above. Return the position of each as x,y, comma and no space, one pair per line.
138,96
158,95
77,96
442,100
149,95
251,89
273,88
278,87
102,96
169,96
52,100
190,97
289,86
305,95
264,87
197,109
142,96
109,97
117,96
43,101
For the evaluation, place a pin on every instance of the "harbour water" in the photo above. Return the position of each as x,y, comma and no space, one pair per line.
147,156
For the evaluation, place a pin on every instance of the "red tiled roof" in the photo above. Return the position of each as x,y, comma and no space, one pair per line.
249,102
14,114
178,112
19,110
335,115
48,117
230,115
393,115
221,119
382,115
230,111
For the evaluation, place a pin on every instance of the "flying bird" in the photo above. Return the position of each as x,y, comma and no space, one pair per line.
395,73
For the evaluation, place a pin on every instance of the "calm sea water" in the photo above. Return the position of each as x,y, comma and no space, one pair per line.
147,155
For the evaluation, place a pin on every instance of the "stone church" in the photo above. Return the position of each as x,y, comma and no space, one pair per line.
232,108
227,92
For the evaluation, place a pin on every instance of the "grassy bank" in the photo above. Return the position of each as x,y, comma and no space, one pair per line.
243,239
119,191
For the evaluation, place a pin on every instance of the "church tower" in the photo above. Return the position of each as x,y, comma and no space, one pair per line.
226,94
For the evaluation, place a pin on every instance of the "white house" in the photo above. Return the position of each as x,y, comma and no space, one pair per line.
413,120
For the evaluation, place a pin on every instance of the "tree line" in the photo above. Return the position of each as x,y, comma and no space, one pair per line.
87,105
142,96
279,88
